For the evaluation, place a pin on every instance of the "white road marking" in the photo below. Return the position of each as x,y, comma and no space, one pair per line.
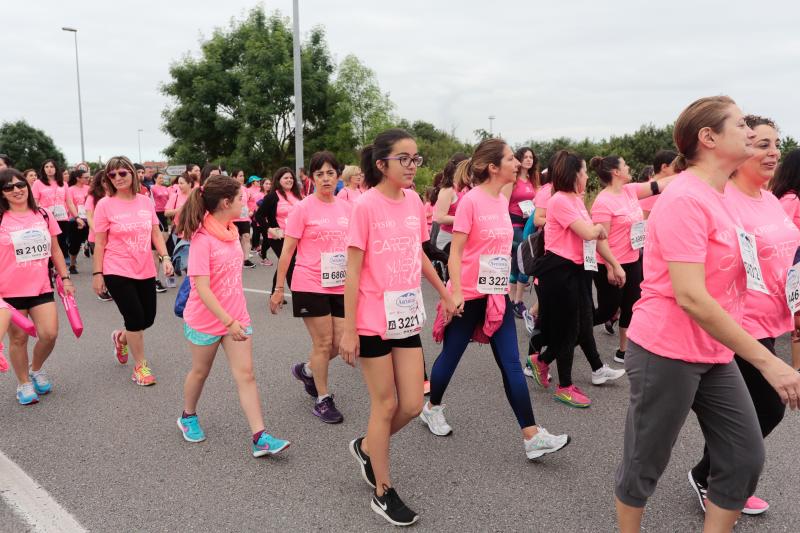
33,503
259,291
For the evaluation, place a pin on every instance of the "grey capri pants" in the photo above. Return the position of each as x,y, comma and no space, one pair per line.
662,391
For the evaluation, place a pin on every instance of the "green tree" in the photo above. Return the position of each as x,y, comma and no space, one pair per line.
788,144
369,108
235,104
27,146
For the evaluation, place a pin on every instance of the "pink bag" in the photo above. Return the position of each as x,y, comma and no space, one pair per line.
71,308
22,322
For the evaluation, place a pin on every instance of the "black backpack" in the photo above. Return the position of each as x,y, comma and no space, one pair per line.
529,250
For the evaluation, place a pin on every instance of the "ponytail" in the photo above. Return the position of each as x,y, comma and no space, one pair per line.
603,166
205,199
378,150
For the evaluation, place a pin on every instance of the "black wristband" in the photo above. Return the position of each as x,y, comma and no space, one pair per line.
97,273
654,188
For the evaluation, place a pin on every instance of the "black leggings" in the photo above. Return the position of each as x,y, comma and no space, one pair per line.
769,407
256,241
610,298
135,298
77,237
277,245
63,237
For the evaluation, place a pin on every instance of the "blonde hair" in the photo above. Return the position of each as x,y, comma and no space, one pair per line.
462,177
348,172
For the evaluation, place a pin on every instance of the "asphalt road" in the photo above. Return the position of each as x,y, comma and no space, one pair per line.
110,453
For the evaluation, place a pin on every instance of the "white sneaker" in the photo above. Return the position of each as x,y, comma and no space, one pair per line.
543,443
527,371
434,418
606,373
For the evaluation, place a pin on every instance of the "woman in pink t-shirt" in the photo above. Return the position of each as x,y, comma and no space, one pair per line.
353,180
178,196
617,209
160,194
480,263
78,227
242,222
445,200
686,327
126,226
216,310
565,281
254,196
384,311
317,230
28,241
50,192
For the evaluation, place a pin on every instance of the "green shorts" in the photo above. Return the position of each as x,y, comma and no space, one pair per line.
204,339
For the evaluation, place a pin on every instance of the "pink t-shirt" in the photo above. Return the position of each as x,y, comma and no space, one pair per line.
451,211
89,207
648,203
176,201
622,211
522,191
791,205
285,206
349,195
78,193
254,195
24,278
429,215
562,210
691,223
160,196
391,233
244,196
221,261
129,224
777,238
543,196
50,196
486,222
319,227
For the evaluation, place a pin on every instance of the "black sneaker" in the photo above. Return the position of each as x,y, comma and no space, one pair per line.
249,264
73,269
86,249
699,489
160,287
392,508
363,461
105,297
619,357
609,327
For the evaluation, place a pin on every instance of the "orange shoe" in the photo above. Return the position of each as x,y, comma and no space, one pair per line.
120,350
142,375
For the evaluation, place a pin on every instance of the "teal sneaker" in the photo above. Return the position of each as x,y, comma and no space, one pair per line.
269,445
26,394
191,430
41,383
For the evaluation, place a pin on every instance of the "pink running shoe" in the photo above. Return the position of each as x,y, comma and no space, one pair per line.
120,350
266,262
573,396
754,506
541,370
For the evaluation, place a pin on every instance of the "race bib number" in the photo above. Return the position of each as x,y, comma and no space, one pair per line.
60,212
405,313
30,244
493,274
793,288
747,248
526,206
334,268
590,255
638,233
81,211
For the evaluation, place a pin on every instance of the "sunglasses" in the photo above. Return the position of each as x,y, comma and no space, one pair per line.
121,174
8,187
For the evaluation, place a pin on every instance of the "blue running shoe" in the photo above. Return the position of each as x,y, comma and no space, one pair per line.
26,394
191,430
268,445
41,383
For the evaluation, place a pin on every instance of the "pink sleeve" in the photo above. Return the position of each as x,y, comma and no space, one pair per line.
296,222
36,188
53,226
600,211
425,235
464,216
563,210
200,256
684,237
89,203
100,218
358,230
151,206
172,200
791,204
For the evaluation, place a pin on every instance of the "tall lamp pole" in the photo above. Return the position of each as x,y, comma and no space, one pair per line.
491,123
298,91
80,105
139,135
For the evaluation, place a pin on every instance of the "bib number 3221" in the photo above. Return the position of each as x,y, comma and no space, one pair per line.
405,313
493,274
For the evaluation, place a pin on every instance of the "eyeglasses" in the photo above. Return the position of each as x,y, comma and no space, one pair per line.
406,160
8,187
120,173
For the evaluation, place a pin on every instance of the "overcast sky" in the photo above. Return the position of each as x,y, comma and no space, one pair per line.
544,69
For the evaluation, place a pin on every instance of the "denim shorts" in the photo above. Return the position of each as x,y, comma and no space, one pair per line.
204,339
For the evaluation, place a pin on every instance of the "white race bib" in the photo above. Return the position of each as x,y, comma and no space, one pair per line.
60,212
245,213
334,268
405,313
81,211
638,233
747,248
793,288
590,255
493,274
526,206
30,244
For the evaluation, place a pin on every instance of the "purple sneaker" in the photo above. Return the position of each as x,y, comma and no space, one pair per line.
327,411
308,383
519,309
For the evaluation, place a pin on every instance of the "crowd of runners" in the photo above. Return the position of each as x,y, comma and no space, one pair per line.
692,268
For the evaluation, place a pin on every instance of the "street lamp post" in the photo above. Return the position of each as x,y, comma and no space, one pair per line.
80,105
139,135
298,91
491,123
